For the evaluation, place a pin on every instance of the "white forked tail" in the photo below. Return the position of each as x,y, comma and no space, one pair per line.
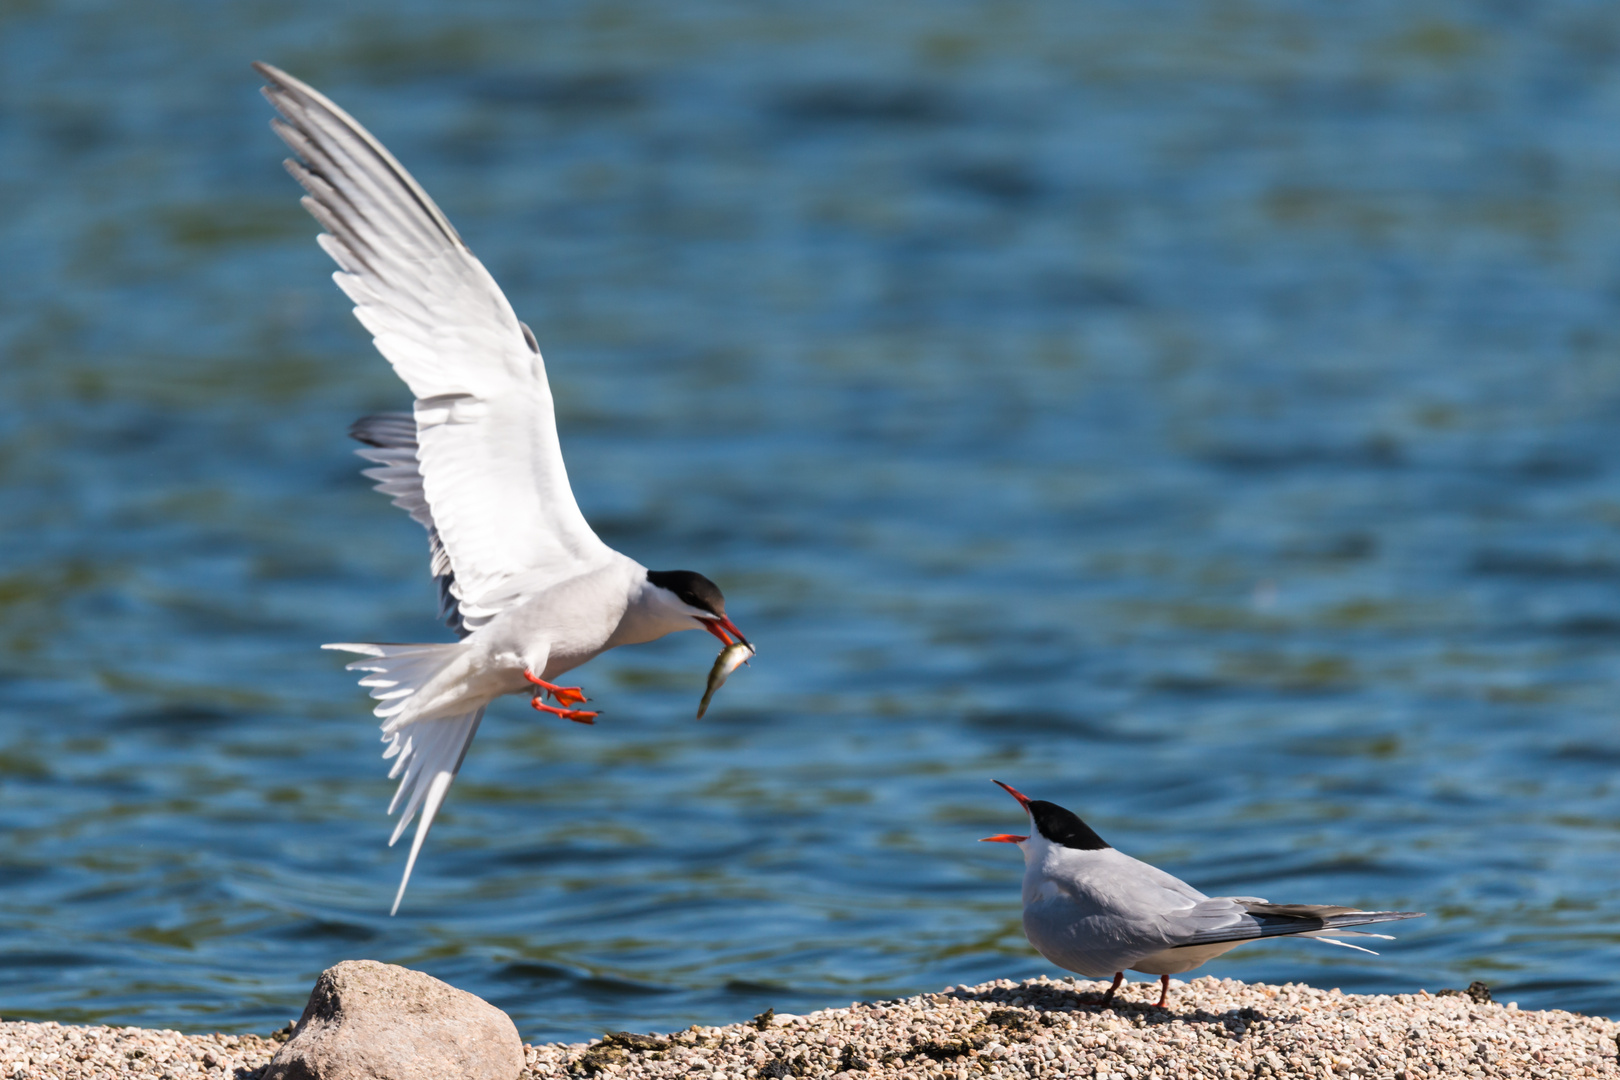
1323,937
427,753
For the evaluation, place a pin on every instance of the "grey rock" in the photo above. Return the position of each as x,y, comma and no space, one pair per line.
371,1021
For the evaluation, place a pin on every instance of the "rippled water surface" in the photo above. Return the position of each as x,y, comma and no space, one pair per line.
1200,415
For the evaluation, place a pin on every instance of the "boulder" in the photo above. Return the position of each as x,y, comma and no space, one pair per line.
372,1021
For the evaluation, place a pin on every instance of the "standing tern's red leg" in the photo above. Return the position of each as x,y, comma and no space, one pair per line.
1119,977
578,716
565,695
1164,991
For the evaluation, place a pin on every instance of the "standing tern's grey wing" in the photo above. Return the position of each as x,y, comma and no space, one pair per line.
491,466
1227,918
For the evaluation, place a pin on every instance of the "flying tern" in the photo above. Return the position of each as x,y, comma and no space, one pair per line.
529,589
1096,911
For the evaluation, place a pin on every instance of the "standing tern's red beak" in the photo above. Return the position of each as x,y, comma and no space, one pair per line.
1009,838
718,628
1023,800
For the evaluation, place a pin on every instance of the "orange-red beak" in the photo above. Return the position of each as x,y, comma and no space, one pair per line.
1023,800
719,627
1008,838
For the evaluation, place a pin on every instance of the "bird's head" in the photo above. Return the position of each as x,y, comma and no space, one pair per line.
693,595
1052,823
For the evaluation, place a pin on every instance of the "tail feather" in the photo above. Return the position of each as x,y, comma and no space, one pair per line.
435,795
426,754
436,749
1346,944
433,764
397,671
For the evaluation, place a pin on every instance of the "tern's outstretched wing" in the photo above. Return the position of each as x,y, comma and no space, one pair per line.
490,464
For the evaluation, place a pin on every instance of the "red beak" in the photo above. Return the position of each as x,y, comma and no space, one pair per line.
718,628
1009,838
1023,800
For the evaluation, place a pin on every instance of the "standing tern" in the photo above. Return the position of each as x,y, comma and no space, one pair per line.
1096,911
528,587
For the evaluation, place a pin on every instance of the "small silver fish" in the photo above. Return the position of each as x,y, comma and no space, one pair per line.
730,658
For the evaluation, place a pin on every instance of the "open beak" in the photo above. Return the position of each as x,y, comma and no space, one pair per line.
1023,800
719,627
1008,838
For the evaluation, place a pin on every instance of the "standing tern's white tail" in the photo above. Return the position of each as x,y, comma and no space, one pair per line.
427,753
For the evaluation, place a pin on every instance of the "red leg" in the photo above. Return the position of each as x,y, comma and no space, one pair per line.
578,716
1164,991
1119,977
565,695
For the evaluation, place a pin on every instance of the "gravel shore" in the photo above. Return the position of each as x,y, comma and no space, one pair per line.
1213,1028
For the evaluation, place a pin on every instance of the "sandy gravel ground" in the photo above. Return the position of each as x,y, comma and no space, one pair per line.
1213,1028
62,1050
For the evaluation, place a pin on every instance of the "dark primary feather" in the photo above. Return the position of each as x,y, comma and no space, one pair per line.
308,109
389,430
393,435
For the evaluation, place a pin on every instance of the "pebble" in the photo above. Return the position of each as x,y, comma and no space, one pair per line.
60,1051
1214,1029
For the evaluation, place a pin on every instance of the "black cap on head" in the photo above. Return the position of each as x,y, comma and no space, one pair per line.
1063,827
692,589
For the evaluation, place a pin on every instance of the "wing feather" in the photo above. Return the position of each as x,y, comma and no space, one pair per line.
390,440
1228,918
492,486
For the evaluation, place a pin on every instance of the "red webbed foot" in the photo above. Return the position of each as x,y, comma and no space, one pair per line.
578,716
569,695
565,695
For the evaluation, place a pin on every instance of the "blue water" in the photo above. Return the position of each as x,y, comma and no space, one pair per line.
1201,415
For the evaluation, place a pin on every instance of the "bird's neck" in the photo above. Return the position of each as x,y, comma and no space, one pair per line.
651,613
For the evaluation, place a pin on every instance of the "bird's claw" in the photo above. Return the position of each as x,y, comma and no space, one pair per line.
578,716
565,695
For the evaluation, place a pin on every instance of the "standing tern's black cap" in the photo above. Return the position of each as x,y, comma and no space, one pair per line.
1064,827
1055,824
